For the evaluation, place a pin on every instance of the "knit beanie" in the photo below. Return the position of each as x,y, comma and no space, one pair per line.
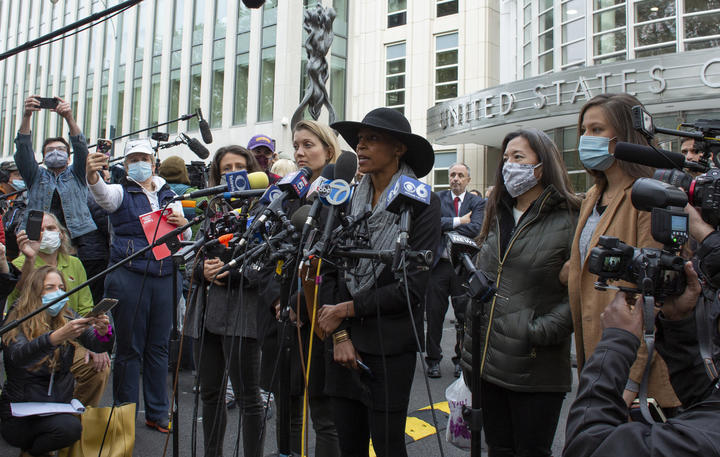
174,171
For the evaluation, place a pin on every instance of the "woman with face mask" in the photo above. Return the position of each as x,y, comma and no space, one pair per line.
608,211
92,370
525,328
143,286
38,356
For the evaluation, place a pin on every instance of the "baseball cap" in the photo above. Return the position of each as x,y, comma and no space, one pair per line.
141,145
8,165
261,140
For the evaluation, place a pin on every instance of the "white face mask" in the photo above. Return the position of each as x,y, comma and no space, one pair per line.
519,177
50,242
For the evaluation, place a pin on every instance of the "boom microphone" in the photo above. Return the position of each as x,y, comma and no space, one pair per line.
646,155
203,192
204,127
196,147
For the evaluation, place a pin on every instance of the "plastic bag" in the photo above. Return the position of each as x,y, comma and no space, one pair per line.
457,432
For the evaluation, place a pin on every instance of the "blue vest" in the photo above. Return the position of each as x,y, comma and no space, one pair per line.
128,235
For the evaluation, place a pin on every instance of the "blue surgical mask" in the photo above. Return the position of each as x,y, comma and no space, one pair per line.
55,309
139,171
56,158
18,184
594,152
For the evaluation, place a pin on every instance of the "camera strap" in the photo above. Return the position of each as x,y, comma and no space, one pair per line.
649,337
705,319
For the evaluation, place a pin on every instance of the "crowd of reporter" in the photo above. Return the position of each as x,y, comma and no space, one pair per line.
534,233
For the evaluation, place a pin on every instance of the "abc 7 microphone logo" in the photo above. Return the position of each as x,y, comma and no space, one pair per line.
421,190
339,192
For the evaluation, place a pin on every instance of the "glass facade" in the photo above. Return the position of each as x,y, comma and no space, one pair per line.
443,161
267,61
397,13
446,66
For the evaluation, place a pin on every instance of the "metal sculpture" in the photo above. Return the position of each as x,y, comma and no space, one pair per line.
318,25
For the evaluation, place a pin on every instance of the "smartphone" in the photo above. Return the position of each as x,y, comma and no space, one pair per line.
105,305
48,102
34,225
104,146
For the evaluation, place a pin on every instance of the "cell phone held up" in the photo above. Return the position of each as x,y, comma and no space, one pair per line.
47,102
34,225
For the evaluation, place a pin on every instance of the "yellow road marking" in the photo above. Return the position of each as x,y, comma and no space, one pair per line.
441,406
418,429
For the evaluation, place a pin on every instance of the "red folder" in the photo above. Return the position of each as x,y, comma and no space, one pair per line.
149,222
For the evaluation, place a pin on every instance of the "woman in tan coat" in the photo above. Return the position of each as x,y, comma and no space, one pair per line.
607,210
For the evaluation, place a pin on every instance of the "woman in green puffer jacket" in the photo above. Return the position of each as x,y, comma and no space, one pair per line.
526,239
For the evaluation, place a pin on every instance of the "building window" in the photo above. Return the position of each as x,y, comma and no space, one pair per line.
700,24
446,7
218,64
338,59
655,28
573,33
395,76
545,36
443,161
196,60
446,66
242,64
175,61
609,31
267,61
397,13
160,7
527,40
141,17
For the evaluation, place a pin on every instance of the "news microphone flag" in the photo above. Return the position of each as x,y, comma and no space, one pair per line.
237,180
408,191
295,182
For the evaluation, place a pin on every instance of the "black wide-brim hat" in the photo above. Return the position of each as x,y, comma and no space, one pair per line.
419,155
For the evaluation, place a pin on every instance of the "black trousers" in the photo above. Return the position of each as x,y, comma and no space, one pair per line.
383,417
243,355
40,435
444,283
519,424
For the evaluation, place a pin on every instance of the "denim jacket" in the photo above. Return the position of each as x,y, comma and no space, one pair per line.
70,184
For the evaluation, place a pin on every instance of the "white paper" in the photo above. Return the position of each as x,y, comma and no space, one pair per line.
46,408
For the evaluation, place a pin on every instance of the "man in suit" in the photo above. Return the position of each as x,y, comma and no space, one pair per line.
463,213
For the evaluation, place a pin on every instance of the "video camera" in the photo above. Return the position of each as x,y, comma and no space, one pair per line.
656,272
703,192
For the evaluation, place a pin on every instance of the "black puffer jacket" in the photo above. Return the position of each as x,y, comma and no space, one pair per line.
25,384
526,327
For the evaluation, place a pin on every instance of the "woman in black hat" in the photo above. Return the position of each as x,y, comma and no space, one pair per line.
373,328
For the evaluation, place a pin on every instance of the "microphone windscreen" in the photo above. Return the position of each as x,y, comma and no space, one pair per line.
346,166
299,216
646,155
199,150
258,180
329,171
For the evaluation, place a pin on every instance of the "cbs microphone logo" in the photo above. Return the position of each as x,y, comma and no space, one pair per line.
420,190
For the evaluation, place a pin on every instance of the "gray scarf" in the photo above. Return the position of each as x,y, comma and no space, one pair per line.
382,225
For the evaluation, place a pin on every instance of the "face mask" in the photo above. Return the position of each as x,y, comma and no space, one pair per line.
262,161
50,242
519,177
55,309
18,184
139,171
56,158
594,153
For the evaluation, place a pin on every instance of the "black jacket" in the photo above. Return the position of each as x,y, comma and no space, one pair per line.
526,326
25,384
597,424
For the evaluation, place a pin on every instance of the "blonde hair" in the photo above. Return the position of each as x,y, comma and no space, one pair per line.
324,133
283,167
41,323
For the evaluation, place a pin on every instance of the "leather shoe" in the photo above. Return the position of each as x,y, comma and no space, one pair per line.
433,370
458,370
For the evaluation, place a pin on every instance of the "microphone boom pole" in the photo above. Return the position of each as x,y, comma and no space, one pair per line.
185,117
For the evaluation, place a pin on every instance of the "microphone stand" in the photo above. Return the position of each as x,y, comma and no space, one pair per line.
185,117
10,194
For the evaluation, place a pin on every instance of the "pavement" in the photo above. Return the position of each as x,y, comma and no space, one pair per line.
421,430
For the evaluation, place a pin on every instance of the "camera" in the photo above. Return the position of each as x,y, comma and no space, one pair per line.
656,272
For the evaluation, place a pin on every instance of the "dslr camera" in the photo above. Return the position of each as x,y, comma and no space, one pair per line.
655,272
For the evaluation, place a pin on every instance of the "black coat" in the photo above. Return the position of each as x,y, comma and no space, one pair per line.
24,384
598,424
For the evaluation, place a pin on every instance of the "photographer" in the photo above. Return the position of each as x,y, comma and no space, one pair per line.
597,423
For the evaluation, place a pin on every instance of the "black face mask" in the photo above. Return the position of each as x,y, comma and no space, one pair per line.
263,161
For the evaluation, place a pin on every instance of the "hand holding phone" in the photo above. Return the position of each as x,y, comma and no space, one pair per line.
34,225
105,305
47,102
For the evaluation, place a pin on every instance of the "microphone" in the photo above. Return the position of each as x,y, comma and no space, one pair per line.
241,180
407,195
195,146
460,250
300,216
203,192
296,182
249,193
346,166
338,193
204,127
327,174
188,203
646,155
